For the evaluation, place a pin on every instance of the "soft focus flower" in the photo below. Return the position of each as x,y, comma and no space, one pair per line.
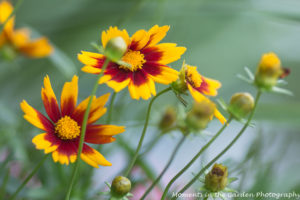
198,86
217,179
147,58
268,71
63,128
168,118
241,104
19,40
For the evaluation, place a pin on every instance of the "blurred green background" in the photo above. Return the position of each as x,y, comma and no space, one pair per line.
221,36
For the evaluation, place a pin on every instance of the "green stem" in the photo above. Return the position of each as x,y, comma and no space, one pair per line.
166,167
4,184
144,130
194,158
17,6
110,108
83,129
226,149
29,177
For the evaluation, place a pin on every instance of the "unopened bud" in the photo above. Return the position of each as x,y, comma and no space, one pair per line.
8,52
168,118
216,180
120,186
268,71
241,104
115,49
200,114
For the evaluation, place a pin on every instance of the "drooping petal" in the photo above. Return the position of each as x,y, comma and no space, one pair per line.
5,11
46,141
49,100
66,152
69,96
219,116
96,111
169,52
113,32
139,40
160,73
157,34
101,134
36,118
197,96
93,157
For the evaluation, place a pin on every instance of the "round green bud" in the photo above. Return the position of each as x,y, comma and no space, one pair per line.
241,104
200,115
120,186
8,52
217,179
115,49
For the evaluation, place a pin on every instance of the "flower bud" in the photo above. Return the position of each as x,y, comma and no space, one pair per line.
120,186
115,49
241,104
216,180
268,71
168,118
180,85
200,114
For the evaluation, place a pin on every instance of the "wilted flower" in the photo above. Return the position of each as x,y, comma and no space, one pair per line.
168,118
18,41
147,59
217,179
63,129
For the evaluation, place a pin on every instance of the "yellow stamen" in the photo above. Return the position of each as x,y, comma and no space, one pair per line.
135,59
67,129
193,77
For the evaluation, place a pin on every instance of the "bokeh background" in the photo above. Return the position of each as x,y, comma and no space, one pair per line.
221,36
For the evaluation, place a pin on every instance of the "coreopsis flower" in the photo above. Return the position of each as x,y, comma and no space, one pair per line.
18,41
147,58
269,70
63,127
198,86
217,179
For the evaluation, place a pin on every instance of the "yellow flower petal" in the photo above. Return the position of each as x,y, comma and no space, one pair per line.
157,34
170,52
5,11
93,157
69,96
140,39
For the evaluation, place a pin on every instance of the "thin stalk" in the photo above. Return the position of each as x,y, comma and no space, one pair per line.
4,184
226,149
195,158
144,130
110,108
83,129
29,177
17,6
166,167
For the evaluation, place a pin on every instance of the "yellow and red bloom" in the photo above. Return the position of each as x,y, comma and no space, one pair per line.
19,40
198,86
63,127
147,58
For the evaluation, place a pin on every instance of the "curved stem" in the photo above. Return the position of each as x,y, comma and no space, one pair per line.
194,158
83,129
226,149
29,177
144,130
110,108
166,167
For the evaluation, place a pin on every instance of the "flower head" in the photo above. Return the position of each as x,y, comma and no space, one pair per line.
63,127
19,40
147,58
241,104
198,85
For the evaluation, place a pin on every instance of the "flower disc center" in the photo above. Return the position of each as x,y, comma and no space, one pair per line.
135,58
67,128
